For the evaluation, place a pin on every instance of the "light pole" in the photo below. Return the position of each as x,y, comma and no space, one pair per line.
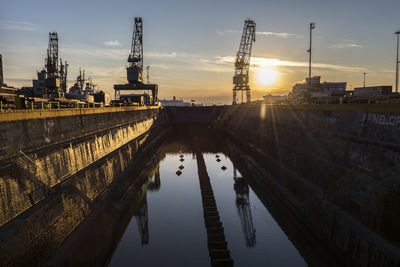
312,26
397,62
364,78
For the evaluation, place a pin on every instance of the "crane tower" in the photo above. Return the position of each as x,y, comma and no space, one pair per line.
241,77
135,59
52,80
135,69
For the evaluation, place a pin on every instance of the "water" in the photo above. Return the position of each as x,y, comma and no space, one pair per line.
176,235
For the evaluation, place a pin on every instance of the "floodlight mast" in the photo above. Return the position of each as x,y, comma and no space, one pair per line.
397,62
312,26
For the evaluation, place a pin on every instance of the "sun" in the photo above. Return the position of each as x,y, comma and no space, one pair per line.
266,76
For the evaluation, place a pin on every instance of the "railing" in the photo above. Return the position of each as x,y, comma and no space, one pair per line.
9,148
27,164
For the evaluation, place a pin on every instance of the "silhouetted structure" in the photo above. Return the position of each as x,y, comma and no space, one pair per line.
52,80
135,70
241,78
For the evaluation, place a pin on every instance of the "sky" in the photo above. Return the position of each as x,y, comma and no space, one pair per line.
191,46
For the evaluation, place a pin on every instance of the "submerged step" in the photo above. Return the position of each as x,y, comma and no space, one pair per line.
217,245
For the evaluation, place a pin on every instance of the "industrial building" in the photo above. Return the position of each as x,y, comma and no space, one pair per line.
271,99
51,82
313,88
372,91
174,102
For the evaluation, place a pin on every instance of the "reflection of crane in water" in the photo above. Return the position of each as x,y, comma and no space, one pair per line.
244,210
156,184
141,213
142,218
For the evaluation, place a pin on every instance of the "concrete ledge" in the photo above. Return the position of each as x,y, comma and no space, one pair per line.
384,108
17,115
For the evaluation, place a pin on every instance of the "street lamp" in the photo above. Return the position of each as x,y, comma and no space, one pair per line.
397,62
364,78
312,26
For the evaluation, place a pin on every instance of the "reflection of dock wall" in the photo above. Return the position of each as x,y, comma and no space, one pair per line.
337,170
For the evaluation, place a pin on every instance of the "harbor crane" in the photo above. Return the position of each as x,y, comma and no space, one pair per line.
135,69
243,206
54,74
241,77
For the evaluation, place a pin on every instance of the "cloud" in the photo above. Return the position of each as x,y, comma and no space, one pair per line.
346,43
273,62
170,55
108,53
113,43
273,34
18,26
280,34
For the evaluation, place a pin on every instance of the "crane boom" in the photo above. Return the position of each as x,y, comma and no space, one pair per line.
241,77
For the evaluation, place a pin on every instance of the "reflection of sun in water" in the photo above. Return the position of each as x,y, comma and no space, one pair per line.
266,76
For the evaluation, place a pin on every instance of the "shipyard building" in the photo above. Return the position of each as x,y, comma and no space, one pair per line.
313,88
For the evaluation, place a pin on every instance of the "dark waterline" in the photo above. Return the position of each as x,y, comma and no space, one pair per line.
175,234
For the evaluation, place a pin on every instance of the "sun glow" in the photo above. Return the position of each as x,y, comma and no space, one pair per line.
266,76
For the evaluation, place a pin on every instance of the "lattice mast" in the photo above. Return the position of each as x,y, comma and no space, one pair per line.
135,59
52,69
242,63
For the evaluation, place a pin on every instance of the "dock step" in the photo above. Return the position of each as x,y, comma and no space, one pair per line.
217,245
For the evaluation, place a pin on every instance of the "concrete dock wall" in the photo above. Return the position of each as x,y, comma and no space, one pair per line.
337,170
47,192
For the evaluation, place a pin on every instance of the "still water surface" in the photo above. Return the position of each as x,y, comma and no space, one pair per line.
168,228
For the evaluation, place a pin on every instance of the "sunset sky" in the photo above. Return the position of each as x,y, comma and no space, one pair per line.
191,45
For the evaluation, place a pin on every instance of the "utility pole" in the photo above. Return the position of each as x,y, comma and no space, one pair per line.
1,72
148,75
312,26
364,78
397,62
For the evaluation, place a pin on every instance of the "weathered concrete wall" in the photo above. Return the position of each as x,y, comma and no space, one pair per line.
193,115
338,170
40,208
31,130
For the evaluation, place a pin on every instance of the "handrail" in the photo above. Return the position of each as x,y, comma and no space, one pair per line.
9,149
23,154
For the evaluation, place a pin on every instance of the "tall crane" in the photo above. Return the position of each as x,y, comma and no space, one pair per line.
52,56
55,74
135,59
135,69
243,206
241,77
